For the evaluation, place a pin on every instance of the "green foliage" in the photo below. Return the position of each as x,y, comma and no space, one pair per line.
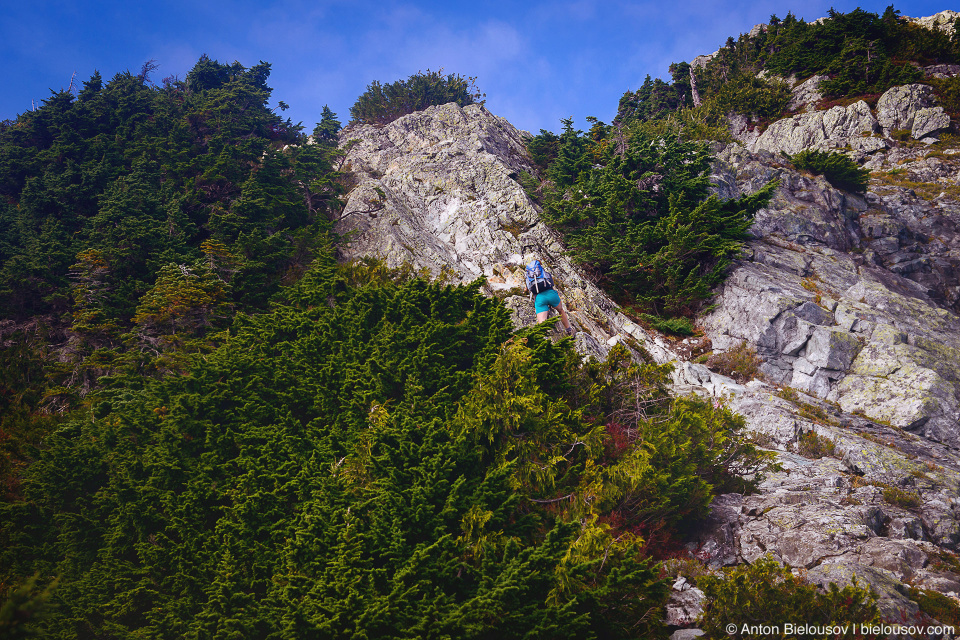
375,456
860,52
948,93
837,168
370,458
766,593
813,445
665,457
676,326
654,99
384,103
103,193
693,124
900,498
739,362
632,210
544,149
104,190
183,301
941,608
143,175
22,606
863,53
686,454
753,96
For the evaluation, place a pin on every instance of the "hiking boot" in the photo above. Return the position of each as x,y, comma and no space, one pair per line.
571,332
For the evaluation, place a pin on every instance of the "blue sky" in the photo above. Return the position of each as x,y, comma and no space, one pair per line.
536,61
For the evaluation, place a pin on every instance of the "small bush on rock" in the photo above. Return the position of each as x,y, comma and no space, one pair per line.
901,498
740,363
767,593
384,103
940,607
753,96
678,326
813,445
838,169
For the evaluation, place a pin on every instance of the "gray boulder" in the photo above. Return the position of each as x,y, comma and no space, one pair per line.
898,106
929,120
820,130
807,94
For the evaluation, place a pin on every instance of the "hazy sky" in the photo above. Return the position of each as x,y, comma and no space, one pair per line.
536,61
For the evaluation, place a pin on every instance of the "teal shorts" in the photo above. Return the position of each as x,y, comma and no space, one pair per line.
546,301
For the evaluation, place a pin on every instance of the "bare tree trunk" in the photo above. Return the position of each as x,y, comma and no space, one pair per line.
693,88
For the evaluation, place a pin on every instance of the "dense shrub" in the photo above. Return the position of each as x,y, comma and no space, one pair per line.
837,168
740,363
862,53
813,445
687,449
948,93
376,455
753,96
383,103
941,608
706,123
676,326
656,98
900,498
766,593
633,210
184,202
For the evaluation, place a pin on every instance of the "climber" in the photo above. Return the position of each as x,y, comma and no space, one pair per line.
539,282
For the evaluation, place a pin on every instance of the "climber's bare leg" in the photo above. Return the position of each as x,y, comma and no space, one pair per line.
543,315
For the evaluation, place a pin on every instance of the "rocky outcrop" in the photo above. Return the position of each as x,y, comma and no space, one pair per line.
943,21
439,190
911,107
851,301
827,297
807,94
857,514
829,129
942,71
855,128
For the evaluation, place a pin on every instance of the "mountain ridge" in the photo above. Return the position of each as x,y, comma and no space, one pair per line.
303,390
843,334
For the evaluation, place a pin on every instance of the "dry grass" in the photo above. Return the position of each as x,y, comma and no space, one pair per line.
926,190
740,363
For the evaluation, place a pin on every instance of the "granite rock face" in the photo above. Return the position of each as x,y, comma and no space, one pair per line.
807,94
943,21
850,300
818,129
446,181
856,129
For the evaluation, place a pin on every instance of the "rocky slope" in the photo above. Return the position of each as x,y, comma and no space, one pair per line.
851,302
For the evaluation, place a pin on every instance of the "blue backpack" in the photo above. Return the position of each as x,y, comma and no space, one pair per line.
538,278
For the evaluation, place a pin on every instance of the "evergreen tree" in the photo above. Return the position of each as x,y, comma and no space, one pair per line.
638,219
371,460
